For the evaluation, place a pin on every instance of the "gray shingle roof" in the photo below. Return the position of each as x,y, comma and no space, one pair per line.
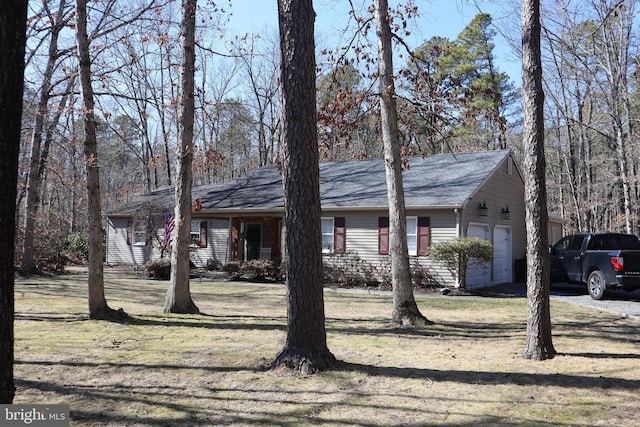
444,180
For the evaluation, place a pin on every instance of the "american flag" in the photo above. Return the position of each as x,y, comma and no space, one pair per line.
169,223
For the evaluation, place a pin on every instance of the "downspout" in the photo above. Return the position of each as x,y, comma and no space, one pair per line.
458,235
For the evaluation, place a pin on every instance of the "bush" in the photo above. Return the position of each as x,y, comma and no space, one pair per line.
77,246
423,277
49,254
255,269
232,268
350,271
158,268
458,254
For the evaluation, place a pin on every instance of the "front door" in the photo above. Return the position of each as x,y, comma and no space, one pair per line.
253,241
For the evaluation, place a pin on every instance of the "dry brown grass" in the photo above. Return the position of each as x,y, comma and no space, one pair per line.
184,370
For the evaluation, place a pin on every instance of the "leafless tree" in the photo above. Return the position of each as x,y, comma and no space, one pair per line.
38,155
405,309
178,299
98,307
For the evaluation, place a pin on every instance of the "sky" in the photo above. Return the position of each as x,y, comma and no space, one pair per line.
445,18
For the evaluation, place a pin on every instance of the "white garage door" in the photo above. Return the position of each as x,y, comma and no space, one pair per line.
478,275
502,255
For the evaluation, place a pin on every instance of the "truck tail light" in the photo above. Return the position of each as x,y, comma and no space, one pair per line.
618,263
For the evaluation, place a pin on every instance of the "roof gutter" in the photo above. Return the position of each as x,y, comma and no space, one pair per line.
280,211
384,207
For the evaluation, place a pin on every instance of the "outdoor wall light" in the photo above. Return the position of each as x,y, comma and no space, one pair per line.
505,213
482,209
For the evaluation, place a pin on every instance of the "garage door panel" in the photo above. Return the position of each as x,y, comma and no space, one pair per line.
501,255
478,273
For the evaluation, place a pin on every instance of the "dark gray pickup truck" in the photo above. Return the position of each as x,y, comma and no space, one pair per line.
600,260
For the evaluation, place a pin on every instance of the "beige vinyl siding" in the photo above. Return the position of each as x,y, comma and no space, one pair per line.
118,251
362,237
361,231
443,228
218,241
501,190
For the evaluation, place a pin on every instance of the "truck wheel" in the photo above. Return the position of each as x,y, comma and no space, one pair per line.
596,285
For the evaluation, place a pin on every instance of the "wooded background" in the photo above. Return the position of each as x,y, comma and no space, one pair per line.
452,97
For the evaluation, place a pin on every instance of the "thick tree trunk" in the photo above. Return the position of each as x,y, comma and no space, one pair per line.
98,308
405,309
305,348
178,299
538,345
32,201
13,18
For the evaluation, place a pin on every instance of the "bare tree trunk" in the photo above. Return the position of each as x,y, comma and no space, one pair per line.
306,346
13,18
98,307
616,38
178,298
538,345
27,264
405,309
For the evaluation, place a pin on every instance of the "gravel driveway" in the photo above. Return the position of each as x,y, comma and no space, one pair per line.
620,302
626,304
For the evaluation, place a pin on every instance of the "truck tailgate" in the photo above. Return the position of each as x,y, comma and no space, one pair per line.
631,262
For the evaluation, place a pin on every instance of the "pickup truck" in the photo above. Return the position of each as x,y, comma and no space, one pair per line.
600,260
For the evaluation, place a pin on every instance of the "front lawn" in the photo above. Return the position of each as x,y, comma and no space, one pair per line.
207,370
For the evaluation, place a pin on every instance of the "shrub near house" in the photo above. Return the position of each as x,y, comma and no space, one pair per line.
458,254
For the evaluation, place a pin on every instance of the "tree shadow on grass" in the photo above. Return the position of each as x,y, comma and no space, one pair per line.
494,378
209,321
249,404
195,407
602,355
206,321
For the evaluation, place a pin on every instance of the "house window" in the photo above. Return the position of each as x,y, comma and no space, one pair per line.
412,235
198,234
418,235
327,235
333,235
139,233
